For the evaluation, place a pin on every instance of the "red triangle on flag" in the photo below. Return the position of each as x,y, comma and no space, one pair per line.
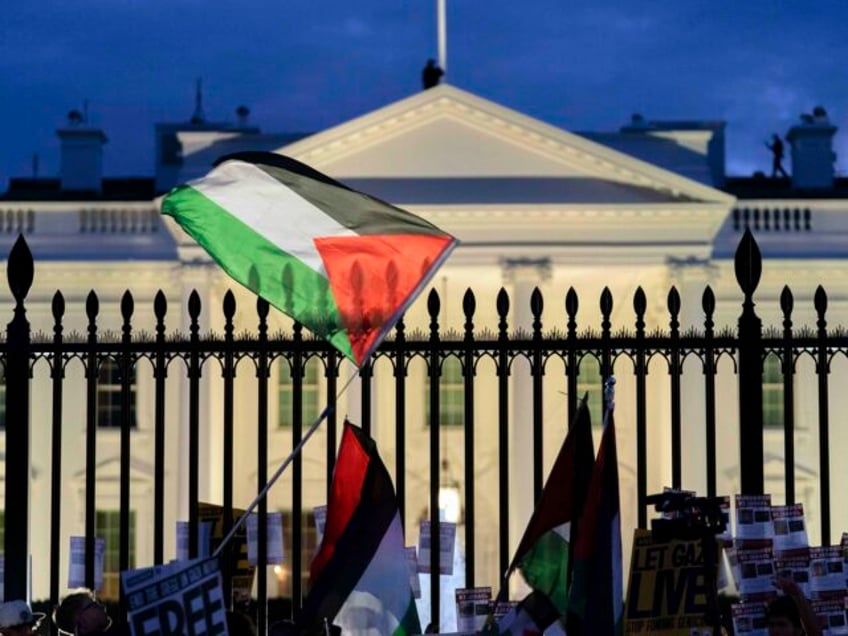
372,276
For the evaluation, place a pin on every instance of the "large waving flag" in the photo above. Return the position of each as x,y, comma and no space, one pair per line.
360,576
342,263
543,555
596,603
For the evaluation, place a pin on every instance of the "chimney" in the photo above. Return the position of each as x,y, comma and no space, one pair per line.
812,151
82,155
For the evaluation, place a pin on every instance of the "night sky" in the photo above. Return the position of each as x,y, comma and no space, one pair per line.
303,65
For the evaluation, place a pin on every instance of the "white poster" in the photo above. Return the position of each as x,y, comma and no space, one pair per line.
204,542
274,538
320,514
827,572
749,619
412,562
790,530
76,574
472,608
831,613
756,574
447,541
753,517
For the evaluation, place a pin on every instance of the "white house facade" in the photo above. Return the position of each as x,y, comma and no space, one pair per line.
533,205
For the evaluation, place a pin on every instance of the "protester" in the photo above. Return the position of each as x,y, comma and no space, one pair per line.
17,618
791,614
81,614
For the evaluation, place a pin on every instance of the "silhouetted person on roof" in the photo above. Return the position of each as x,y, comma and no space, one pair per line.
431,75
776,147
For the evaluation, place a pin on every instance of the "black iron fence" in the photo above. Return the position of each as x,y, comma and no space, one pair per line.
171,353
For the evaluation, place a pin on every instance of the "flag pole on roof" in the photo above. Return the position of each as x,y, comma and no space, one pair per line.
343,264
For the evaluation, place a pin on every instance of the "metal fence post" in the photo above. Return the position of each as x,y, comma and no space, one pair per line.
19,273
748,265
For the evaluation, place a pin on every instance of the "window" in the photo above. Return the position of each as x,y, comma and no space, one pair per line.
589,381
109,395
772,392
310,394
308,548
451,395
107,526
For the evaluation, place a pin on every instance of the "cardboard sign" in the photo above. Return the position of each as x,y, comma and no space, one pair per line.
76,574
181,598
447,539
273,538
472,608
412,562
235,552
667,592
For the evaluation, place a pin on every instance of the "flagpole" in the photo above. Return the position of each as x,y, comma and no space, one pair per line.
314,427
441,14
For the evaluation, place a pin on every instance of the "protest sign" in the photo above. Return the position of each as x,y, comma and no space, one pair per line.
76,574
795,565
749,619
667,593
273,538
790,531
756,574
320,514
204,539
412,562
753,517
472,608
827,572
831,615
234,556
180,598
447,539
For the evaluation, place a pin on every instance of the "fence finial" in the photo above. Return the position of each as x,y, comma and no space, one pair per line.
20,269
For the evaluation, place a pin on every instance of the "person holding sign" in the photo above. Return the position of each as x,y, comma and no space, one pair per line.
791,614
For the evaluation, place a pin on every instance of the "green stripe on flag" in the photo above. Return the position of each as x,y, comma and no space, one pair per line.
260,265
409,623
545,568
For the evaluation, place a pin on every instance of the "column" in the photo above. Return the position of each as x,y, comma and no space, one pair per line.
523,275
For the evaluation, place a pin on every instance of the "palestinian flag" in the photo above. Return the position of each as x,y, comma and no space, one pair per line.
343,264
543,554
596,604
360,576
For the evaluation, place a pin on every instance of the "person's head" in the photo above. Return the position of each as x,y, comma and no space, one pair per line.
81,614
783,617
17,619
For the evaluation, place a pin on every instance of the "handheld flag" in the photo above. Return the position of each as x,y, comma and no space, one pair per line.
360,576
343,264
596,604
543,556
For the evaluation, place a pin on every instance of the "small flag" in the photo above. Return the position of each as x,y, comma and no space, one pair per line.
543,556
343,264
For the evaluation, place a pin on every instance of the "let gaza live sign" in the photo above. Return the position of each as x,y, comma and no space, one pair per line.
667,590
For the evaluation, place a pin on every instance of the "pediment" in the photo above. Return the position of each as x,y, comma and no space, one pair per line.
447,140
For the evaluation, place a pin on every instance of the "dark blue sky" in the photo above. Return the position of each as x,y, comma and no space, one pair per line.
308,64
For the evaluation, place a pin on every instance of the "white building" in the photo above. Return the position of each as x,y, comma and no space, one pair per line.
533,205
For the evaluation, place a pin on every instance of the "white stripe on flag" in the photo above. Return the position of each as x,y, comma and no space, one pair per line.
382,595
271,209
